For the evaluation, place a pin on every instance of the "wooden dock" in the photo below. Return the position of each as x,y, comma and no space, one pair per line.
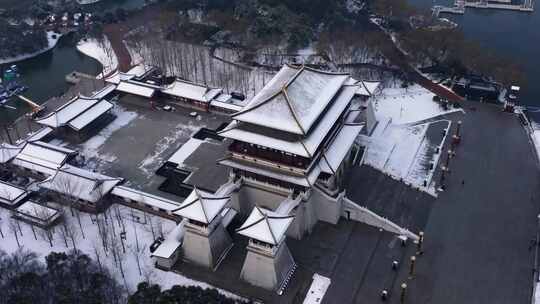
525,7
460,6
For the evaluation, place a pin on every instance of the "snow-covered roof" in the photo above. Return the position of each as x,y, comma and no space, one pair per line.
80,183
225,105
305,147
202,206
367,88
171,242
265,226
293,100
104,92
227,98
336,150
67,112
139,70
145,198
135,89
118,77
180,156
90,115
38,135
191,91
8,152
10,194
42,157
37,211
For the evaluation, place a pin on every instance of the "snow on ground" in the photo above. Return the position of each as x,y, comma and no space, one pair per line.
102,51
181,130
533,128
141,230
399,146
52,39
401,152
393,148
91,147
407,105
536,141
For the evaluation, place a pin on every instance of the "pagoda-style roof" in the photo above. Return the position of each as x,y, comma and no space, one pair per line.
293,100
265,226
305,146
202,206
80,183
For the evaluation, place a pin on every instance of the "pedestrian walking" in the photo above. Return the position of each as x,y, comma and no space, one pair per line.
463,182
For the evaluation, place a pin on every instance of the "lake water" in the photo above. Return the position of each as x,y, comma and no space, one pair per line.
509,33
45,74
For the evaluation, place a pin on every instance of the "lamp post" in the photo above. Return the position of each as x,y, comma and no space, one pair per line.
412,266
420,243
403,293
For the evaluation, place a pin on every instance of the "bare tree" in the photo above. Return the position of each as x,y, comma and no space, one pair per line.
14,227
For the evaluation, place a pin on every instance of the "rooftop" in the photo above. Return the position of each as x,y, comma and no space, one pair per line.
37,212
10,194
171,242
42,157
68,112
292,143
293,100
80,183
265,226
8,152
190,90
202,206
136,89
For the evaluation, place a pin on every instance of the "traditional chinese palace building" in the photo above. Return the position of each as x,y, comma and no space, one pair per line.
289,150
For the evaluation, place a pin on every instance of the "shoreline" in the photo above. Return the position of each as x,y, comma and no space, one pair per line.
101,52
86,2
52,43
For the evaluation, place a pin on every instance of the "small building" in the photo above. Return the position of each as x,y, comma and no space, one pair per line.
137,88
80,118
269,263
477,88
147,202
11,195
37,214
226,104
42,159
83,189
191,94
168,252
296,136
104,92
138,73
206,242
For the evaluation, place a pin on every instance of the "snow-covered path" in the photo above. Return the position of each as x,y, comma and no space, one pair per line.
102,51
